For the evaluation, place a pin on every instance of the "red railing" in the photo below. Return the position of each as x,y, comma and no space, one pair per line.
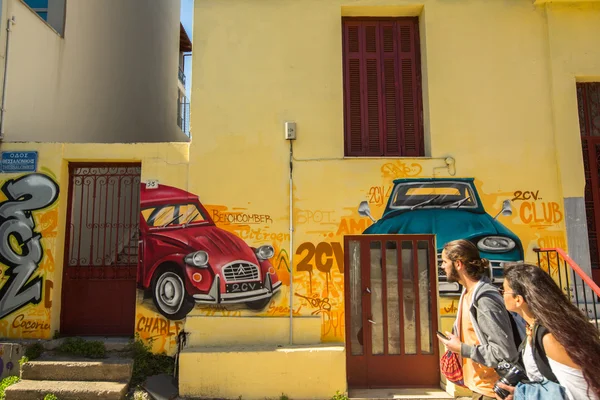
572,280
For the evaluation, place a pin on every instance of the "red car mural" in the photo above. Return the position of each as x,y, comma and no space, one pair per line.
186,259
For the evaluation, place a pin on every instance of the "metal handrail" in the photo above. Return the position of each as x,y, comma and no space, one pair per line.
576,272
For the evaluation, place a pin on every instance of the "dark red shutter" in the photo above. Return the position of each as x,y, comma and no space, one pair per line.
382,91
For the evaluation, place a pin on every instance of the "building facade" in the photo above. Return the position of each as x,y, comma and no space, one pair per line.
447,119
292,246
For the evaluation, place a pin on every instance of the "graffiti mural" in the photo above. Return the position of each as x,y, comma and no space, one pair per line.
450,209
24,221
186,259
188,249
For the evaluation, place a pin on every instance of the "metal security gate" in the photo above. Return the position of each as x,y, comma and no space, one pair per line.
588,99
391,311
101,250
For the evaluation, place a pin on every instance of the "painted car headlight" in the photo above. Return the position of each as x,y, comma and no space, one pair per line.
197,259
496,244
264,252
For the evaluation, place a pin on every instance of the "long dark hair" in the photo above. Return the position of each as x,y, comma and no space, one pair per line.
467,252
553,310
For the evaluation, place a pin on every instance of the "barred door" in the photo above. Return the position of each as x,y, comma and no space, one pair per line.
101,250
391,311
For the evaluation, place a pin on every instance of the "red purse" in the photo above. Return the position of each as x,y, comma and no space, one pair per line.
451,368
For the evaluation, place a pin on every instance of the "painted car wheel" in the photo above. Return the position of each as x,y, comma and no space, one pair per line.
168,293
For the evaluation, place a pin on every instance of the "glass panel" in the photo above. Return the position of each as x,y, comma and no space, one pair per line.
408,293
376,300
424,297
393,301
356,338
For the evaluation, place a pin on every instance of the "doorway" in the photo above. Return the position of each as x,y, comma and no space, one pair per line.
588,102
101,250
391,311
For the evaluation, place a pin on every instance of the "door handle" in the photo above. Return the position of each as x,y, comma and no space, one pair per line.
368,290
371,321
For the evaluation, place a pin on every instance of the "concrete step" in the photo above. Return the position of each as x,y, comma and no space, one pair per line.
397,394
66,390
110,343
64,368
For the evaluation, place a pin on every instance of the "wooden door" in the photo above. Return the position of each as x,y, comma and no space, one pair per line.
391,311
101,250
588,101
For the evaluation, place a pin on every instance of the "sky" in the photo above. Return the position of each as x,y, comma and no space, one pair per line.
187,19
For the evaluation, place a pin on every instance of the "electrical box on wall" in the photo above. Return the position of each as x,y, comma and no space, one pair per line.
290,131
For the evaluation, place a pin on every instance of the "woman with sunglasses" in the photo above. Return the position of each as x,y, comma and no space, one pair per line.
561,344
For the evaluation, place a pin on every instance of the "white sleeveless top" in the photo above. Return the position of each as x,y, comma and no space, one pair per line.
533,373
572,380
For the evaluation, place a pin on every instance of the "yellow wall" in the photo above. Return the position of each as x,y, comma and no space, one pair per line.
499,98
488,103
166,162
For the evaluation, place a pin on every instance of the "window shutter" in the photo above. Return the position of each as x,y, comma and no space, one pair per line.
382,100
352,86
412,131
391,103
372,90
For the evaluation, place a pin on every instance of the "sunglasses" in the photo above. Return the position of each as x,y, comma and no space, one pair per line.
503,292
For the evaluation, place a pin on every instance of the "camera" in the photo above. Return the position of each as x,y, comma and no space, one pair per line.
510,374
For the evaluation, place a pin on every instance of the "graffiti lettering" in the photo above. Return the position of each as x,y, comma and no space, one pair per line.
48,294
29,325
350,226
332,323
315,302
451,309
214,309
240,218
540,213
526,195
307,216
20,246
261,234
400,169
378,194
322,256
160,326
282,310
552,241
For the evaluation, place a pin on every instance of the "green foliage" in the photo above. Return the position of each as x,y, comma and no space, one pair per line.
284,397
23,360
339,396
6,382
145,363
50,396
34,351
80,347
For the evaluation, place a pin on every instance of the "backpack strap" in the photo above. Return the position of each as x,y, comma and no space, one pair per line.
539,353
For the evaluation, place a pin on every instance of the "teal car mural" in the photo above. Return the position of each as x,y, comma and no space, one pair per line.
450,209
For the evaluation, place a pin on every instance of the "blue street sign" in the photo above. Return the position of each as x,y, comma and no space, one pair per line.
19,161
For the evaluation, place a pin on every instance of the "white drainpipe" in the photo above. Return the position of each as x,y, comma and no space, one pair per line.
9,22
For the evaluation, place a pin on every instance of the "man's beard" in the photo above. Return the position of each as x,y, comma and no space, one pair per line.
453,276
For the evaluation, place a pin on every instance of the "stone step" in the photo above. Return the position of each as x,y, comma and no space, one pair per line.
397,394
62,368
66,390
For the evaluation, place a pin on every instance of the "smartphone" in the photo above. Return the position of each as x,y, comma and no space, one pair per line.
443,336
